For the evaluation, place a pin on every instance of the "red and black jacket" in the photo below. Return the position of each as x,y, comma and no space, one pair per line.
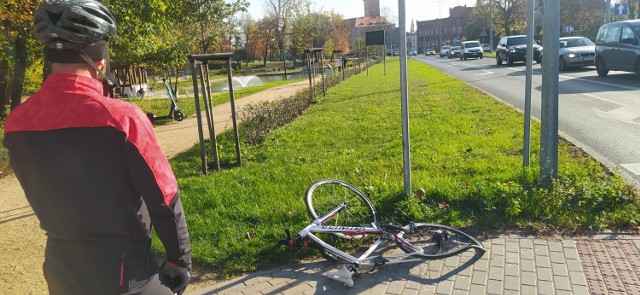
96,178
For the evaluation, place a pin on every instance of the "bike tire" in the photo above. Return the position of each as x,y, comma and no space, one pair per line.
435,241
325,195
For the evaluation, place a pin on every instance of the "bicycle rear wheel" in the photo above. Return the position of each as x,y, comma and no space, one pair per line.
434,241
325,195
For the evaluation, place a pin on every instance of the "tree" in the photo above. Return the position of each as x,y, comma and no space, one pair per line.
510,16
249,34
205,22
586,17
16,22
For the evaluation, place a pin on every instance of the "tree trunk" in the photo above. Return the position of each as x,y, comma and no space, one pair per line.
4,82
18,71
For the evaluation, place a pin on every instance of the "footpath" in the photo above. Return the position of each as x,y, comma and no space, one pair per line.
513,263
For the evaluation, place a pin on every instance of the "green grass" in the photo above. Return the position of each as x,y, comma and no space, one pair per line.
160,107
466,153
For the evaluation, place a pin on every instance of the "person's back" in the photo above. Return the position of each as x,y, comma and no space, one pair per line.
93,172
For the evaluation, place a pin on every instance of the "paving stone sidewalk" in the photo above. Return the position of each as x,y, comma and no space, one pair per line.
513,264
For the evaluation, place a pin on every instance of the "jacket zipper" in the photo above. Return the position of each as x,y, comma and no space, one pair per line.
122,270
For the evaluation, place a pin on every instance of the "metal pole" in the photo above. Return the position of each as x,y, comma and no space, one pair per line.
491,25
324,88
203,155
233,112
367,50
308,56
404,93
607,12
549,108
526,149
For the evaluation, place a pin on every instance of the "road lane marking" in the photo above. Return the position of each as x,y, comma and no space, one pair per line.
623,113
485,72
632,167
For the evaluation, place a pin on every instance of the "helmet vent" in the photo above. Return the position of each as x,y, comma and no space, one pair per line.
54,17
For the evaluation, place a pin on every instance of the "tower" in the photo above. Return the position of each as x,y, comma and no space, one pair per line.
371,8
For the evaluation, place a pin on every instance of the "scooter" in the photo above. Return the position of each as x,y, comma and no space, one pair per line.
174,112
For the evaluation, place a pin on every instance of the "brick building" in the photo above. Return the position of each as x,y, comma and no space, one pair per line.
450,30
372,21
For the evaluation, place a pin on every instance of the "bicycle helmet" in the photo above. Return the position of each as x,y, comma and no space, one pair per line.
78,22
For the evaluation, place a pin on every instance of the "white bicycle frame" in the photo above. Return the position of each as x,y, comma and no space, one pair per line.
365,261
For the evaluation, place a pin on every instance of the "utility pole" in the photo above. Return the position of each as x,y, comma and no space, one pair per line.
491,25
549,101
440,20
404,94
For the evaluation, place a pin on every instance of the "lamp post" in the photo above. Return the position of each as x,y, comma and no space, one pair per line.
491,25
440,20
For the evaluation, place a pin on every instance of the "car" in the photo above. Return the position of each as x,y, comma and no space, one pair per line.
576,52
514,48
430,51
469,49
486,47
413,53
396,53
444,50
454,52
618,47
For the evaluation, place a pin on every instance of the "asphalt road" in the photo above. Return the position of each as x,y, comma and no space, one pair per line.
599,114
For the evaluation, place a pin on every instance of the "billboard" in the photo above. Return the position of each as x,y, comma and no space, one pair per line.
375,38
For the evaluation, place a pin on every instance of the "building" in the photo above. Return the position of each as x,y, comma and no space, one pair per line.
438,32
372,21
412,39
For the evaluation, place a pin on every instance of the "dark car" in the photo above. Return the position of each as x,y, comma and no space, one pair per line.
618,47
514,48
469,49
454,52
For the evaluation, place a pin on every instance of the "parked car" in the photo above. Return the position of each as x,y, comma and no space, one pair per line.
396,53
618,47
430,51
514,48
454,52
576,52
486,47
469,49
444,50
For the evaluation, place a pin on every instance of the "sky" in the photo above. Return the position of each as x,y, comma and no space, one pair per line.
415,9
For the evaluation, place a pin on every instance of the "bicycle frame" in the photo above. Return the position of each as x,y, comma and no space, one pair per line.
365,261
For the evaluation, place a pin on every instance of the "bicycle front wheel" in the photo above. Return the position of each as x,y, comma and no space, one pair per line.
434,241
327,194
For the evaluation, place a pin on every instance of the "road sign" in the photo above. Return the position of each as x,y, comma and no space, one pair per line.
621,8
483,34
568,28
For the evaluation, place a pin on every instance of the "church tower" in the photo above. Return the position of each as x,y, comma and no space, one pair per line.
371,8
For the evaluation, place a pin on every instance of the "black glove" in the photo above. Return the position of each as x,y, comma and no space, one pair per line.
174,277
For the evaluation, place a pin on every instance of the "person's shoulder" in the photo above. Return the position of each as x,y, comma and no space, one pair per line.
124,111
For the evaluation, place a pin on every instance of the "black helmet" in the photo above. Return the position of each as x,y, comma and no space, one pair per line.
78,22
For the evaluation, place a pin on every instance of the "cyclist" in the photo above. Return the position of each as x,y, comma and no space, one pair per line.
92,170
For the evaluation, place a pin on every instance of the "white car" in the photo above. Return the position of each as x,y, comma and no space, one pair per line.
444,50
470,49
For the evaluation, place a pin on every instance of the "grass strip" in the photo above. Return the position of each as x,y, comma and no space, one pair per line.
466,156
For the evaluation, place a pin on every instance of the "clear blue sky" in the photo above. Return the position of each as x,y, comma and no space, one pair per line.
415,9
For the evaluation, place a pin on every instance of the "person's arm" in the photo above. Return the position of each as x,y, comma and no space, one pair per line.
154,179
